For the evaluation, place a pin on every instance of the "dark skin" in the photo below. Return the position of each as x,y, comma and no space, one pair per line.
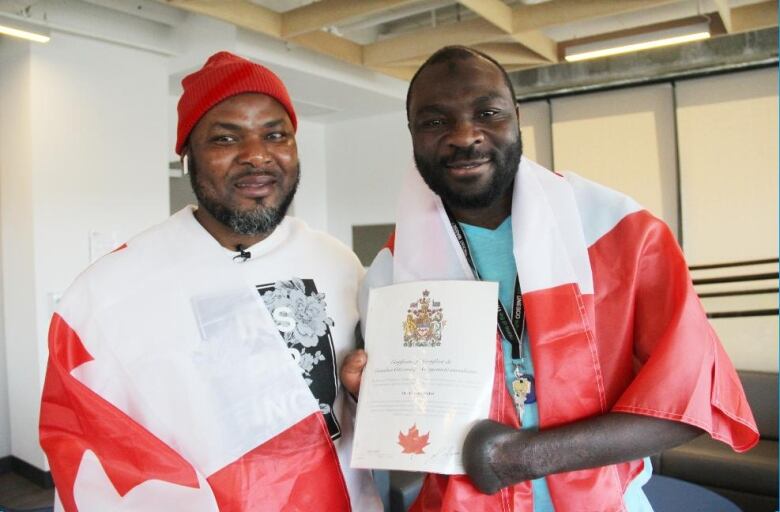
457,109
247,158
495,455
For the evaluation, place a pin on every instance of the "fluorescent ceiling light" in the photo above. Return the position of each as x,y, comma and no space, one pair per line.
24,30
637,42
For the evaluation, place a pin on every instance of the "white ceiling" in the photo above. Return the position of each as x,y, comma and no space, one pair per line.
325,88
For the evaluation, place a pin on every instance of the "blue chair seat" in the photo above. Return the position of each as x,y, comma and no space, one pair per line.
671,495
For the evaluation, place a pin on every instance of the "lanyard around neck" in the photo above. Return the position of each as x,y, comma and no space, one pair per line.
511,328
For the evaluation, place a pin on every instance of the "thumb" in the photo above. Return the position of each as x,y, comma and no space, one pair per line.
352,370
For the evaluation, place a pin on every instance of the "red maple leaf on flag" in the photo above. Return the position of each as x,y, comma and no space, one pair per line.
412,441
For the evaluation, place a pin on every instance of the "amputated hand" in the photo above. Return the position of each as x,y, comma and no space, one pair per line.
352,371
496,456
493,456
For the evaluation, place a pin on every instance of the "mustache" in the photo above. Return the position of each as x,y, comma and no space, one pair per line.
256,171
274,172
470,153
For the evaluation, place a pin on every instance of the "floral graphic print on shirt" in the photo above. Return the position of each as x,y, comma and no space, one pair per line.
301,315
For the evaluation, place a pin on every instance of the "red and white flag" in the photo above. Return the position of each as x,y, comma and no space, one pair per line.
169,388
613,320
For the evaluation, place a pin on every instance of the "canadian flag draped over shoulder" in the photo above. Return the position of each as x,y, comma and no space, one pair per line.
169,388
613,320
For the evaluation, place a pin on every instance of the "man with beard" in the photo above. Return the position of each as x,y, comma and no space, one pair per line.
606,351
194,368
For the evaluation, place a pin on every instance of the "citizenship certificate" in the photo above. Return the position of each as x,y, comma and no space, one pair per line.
431,349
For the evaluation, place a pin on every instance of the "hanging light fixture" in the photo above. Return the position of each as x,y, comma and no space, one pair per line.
638,42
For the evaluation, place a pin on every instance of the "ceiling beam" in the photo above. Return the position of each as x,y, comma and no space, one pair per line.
538,41
724,11
326,13
427,41
528,17
511,54
527,23
404,73
414,62
333,46
238,12
504,53
500,15
259,19
497,26
754,16
495,11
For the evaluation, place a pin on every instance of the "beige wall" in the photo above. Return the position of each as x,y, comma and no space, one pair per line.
751,342
535,127
623,139
728,133
728,161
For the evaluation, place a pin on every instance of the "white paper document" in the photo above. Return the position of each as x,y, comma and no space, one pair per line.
431,358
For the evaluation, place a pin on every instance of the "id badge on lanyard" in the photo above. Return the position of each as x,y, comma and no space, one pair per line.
522,388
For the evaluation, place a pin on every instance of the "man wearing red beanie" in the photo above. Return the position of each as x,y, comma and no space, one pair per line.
195,368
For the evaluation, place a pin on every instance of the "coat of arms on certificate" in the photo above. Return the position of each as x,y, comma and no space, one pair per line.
424,322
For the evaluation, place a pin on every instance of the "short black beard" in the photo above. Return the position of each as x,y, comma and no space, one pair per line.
261,220
505,160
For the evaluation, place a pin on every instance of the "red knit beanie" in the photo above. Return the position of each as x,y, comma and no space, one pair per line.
225,75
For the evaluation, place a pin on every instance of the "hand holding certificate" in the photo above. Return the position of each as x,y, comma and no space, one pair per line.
431,359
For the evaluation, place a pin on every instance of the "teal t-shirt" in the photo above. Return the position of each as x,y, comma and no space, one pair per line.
492,252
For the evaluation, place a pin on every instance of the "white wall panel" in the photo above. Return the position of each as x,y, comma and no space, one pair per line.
311,200
366,160
84,149
15,221
624,139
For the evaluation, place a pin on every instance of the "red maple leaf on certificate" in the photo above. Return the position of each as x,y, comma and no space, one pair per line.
412,441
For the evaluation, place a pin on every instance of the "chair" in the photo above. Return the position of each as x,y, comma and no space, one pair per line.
748,479
671,495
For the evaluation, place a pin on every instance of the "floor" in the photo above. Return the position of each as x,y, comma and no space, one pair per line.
19,494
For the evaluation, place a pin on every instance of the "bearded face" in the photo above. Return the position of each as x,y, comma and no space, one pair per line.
243,163
471,192
244,220
465,131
